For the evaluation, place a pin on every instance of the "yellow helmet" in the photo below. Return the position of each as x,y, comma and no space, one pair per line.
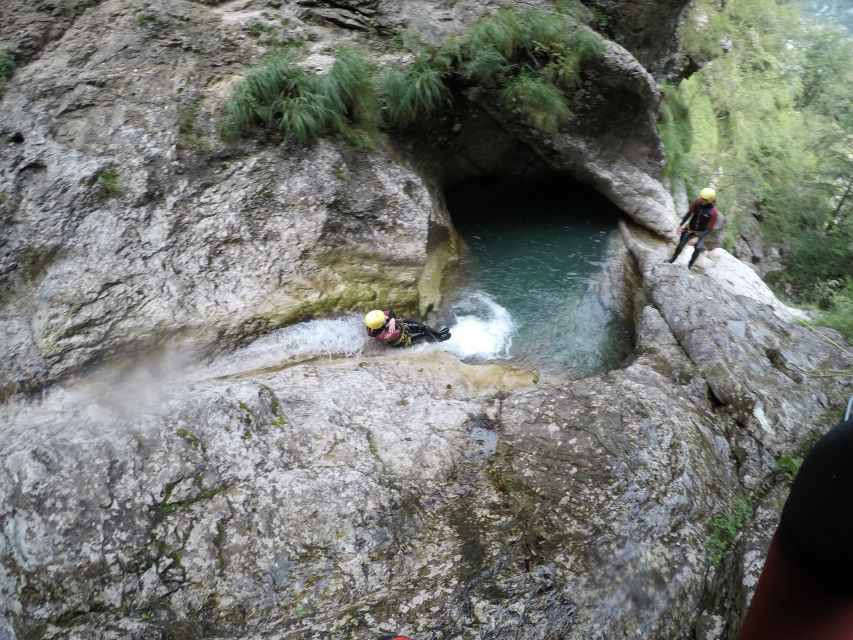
708,194
374,319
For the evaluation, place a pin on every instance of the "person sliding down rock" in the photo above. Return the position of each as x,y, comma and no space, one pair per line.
697,224
385,328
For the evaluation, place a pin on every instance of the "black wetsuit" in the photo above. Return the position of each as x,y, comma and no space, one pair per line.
702,217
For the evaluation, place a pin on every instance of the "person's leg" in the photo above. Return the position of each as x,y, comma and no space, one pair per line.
420,330
682,241
699,246
415,330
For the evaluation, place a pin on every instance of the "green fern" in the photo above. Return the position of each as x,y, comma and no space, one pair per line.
536,101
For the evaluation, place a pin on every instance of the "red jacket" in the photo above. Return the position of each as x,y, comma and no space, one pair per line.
392,332
702,216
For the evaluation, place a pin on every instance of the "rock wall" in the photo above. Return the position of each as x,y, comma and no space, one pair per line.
649,30
408,493
130,225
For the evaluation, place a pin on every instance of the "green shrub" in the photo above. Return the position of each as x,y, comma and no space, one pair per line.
839,314
280,96
725,527
304,117
676,133
487,67
7,65
412,93
522,58
586,45
772,118
348,88
528,57
537,102
493,32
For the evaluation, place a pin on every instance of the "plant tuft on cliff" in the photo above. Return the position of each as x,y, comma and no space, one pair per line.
676,133
412,93
725,527
522,61
7,67
109,182
536,101
280,96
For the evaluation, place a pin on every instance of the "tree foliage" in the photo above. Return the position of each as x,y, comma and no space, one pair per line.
777,139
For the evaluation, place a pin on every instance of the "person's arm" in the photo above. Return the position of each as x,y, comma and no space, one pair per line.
711,221
687,215
390,332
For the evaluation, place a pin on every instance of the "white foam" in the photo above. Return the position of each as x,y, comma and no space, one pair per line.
485,332
343,336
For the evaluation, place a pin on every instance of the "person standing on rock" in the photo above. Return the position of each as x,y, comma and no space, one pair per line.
384,327
697,224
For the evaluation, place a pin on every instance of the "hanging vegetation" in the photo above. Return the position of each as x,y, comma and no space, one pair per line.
527,59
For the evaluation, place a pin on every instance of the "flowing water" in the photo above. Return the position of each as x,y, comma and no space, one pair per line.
533,281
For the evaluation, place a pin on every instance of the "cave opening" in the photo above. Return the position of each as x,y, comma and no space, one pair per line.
542,277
